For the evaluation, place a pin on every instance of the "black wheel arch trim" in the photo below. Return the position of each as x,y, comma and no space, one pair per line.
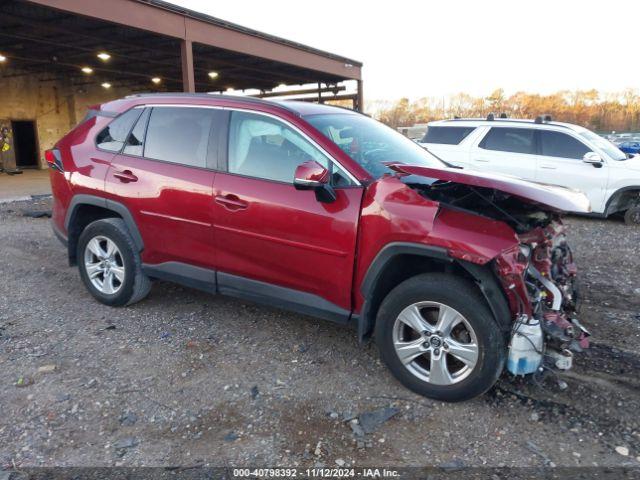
614,196
483,276
117,207
59,234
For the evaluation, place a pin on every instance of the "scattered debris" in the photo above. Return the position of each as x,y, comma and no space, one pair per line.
254,392
340,462
128,418
371,421
348,416
24,382
538,451
231,437
356,428
46,369
453,465
624,451
37,213
110,327
123,445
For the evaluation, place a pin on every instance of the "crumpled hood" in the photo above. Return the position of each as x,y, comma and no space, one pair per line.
553,197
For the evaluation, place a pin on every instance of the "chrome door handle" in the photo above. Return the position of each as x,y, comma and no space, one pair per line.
548,167
485,160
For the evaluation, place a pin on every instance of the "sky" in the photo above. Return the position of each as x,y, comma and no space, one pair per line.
429,48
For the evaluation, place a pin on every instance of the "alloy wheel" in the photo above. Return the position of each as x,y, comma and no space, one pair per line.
104,265
435,343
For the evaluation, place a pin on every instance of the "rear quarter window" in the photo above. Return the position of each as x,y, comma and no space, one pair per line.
446,135
113,136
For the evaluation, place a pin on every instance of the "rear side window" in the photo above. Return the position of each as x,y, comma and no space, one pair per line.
446,135
179,135
113,136
556,144
516,140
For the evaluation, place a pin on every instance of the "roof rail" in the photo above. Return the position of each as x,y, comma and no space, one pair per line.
543,118
491,117
212,96
506,121
503,115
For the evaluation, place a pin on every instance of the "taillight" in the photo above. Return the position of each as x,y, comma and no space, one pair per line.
54,159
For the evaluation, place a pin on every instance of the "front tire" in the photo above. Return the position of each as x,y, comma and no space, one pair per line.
439,339
110,265
632,216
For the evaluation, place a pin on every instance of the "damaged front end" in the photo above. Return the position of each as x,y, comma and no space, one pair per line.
537,272
540,276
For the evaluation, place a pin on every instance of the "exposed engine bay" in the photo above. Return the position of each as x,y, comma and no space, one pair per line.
546,331
488,202
551,283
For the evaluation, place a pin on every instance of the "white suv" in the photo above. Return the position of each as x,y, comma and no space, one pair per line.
543,151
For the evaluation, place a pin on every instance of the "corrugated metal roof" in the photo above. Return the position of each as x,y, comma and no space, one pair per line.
239,28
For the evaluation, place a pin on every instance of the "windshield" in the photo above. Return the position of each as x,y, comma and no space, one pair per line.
371,143
605,145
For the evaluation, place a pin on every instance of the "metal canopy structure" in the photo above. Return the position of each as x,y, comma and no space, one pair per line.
150,39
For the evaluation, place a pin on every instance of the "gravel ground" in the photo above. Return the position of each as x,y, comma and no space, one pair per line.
186,378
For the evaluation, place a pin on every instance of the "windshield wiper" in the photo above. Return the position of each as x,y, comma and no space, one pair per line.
450,165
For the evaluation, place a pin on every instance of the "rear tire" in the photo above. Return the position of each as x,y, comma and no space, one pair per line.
450,344
632,216
110,264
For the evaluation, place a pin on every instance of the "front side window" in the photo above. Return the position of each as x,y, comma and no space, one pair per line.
370,143
603,144
263,147
113,136
446,135
179,135
514,140
557,144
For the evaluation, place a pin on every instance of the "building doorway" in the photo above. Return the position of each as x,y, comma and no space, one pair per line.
25,143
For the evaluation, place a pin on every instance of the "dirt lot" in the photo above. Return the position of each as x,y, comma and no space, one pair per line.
185,378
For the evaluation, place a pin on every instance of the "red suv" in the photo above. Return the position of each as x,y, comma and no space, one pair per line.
325,212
